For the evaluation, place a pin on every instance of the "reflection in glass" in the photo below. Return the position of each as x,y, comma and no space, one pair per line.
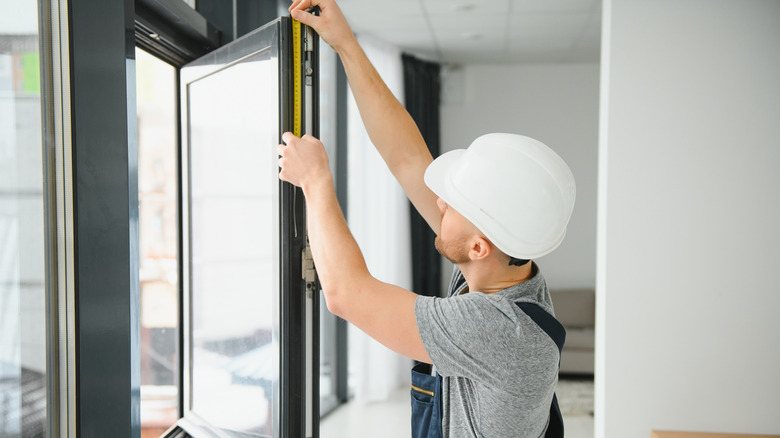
22,270
234,247
158,229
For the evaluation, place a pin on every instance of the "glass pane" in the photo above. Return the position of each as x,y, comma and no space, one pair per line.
158,230
22,272
234,246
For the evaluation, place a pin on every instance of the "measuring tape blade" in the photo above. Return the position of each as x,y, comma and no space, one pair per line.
297,81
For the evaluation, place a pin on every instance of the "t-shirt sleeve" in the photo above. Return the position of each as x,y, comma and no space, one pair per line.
466,336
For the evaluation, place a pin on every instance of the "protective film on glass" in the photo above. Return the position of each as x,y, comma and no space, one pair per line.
234,246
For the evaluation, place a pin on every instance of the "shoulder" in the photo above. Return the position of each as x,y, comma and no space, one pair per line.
490,317
459,310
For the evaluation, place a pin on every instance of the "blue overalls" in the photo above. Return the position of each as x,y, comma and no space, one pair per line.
427,388
426,402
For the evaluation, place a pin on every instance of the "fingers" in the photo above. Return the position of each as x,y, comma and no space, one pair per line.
298,4
303,4
280,153
306,18
301,159
288,136
284,171
291,140
294,4
298,10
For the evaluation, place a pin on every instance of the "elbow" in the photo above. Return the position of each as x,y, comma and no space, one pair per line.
341,297
333,302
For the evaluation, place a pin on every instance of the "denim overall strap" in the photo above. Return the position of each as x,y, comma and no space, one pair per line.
426,402
554,330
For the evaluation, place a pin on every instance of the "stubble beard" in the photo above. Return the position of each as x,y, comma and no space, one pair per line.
456,251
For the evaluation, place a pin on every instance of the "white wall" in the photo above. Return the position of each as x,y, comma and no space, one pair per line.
688,334
556,104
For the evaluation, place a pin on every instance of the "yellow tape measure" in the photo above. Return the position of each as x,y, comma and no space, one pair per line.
297,81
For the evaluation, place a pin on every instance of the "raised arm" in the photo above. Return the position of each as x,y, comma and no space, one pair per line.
389,125
383,311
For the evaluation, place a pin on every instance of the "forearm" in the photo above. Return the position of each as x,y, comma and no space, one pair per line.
383,311
392,130
337,256
389,125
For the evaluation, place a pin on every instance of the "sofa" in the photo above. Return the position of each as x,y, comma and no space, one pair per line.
576,310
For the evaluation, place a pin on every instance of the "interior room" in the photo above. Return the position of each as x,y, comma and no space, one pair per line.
156,278
525,67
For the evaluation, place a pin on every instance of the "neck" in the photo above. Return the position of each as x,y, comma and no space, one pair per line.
491,278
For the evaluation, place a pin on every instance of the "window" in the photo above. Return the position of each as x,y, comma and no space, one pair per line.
234,244
158,235
23,318
228,335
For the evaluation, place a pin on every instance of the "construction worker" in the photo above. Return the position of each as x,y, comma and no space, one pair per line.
494,344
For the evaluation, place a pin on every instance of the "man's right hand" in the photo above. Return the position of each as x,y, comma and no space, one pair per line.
331,24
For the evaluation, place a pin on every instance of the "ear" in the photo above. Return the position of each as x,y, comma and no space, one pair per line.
480,248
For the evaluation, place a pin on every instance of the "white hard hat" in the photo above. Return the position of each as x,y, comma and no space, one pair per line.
514,189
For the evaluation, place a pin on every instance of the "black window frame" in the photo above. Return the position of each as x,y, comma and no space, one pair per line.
177,34
101,41
98,392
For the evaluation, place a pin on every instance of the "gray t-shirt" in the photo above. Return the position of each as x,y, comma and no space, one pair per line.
499,369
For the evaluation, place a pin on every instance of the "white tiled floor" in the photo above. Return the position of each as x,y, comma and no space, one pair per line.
390,419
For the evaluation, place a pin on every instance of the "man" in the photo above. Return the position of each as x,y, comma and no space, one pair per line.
504,201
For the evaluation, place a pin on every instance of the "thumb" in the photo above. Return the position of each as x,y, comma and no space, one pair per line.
288,137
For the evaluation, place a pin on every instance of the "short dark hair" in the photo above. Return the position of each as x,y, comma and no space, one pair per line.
517,262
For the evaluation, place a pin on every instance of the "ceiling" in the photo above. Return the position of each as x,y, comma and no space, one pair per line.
484,31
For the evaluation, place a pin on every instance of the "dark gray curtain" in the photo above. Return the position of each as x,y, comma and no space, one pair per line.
421,94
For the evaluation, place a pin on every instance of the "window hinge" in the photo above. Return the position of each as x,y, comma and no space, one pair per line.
309,49
309,39
308,271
